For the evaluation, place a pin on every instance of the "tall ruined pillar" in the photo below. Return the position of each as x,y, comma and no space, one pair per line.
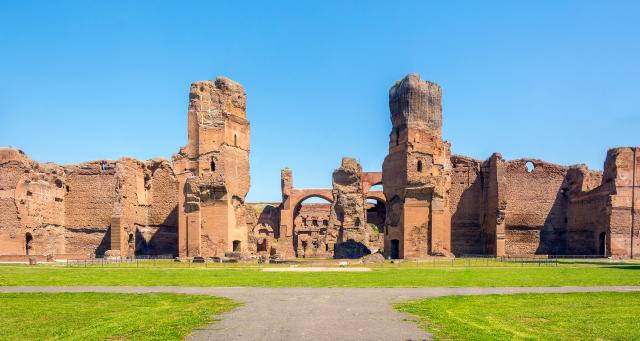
494,205
416,172
347,221
286,211
213,171
622,174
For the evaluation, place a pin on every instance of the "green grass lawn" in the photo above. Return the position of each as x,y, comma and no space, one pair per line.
99,316
380,277
582,316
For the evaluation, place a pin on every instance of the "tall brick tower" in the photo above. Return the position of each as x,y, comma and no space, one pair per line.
213,171
416,172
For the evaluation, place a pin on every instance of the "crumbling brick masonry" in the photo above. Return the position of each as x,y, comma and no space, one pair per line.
432,203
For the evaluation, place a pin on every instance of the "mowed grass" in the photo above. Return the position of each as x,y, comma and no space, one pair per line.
100,316
581,316
379,277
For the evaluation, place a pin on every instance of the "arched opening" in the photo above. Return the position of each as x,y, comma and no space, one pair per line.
131,243
304,249
394,251
28,243
264,236
309,236
602,244
212,165
235,140
376,214
419,166
376,188
530,166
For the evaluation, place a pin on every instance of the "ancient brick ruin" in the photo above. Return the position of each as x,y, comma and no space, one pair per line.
212,171
432,203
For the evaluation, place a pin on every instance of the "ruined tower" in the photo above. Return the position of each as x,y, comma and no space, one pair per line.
416,172
213,171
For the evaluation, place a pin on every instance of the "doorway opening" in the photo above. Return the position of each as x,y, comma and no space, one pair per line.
28,242
262,247
236,246
602,244
395,249
131,243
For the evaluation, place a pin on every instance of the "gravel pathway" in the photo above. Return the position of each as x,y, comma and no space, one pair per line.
316,313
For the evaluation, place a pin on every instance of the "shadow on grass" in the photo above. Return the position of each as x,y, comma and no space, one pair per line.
624,267
602,263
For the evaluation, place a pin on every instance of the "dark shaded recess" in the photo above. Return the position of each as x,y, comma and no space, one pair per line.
344,178
467,236
553,235
164,241
350,250
270,216
105,243
394,251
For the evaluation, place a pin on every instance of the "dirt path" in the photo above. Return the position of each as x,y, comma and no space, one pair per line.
316,313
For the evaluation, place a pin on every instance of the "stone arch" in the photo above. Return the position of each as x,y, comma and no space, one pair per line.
377,195
376,212
374,185
312,195
369,180
309,236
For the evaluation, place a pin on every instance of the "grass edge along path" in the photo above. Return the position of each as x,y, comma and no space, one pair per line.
381,278
106,316
569,316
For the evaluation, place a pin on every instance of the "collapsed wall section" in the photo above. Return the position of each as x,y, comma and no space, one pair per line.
31,205
536,208
90,198
587,214
466,199
68,211
531,207
143,219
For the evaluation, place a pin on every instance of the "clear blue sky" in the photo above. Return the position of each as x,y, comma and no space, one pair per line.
555,80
